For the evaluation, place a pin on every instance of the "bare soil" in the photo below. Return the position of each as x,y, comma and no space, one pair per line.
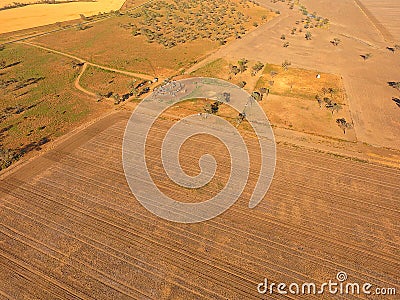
71,227
374,114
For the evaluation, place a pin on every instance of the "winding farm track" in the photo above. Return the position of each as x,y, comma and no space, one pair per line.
137,75
71,229
78,85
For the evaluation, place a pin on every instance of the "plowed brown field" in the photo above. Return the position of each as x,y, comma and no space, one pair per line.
70,227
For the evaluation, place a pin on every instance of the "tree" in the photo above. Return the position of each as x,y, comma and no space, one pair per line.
286,64
215,107
331,91
2,47
336,41
264,91
308,36
366,56
342,123
283,37
6,158
80,26
242,84
333,107
273,73
394,84
257,96
99,97
242,65
319,100
117,99
240,118
226,97
286,44
256,68
234,69
207,108
328,101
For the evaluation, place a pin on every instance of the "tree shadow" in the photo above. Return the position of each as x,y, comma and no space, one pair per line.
4,130
391,49
37,145
397,101
393,84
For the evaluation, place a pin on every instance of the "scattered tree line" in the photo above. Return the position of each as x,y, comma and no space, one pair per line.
171,24
136,89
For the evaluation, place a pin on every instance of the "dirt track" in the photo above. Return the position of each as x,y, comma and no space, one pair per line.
77,84
71,228
138,75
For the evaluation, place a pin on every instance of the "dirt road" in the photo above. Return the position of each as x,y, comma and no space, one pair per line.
77,84
137,75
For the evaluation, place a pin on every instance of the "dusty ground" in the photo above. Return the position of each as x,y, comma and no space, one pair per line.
71,227
103,81
387,13
375,116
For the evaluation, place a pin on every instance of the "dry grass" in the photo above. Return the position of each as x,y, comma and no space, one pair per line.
300,83
218,69
47,106
102,81
99,42
291,103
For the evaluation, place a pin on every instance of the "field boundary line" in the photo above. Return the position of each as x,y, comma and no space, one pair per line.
387,36
58,142
98,19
